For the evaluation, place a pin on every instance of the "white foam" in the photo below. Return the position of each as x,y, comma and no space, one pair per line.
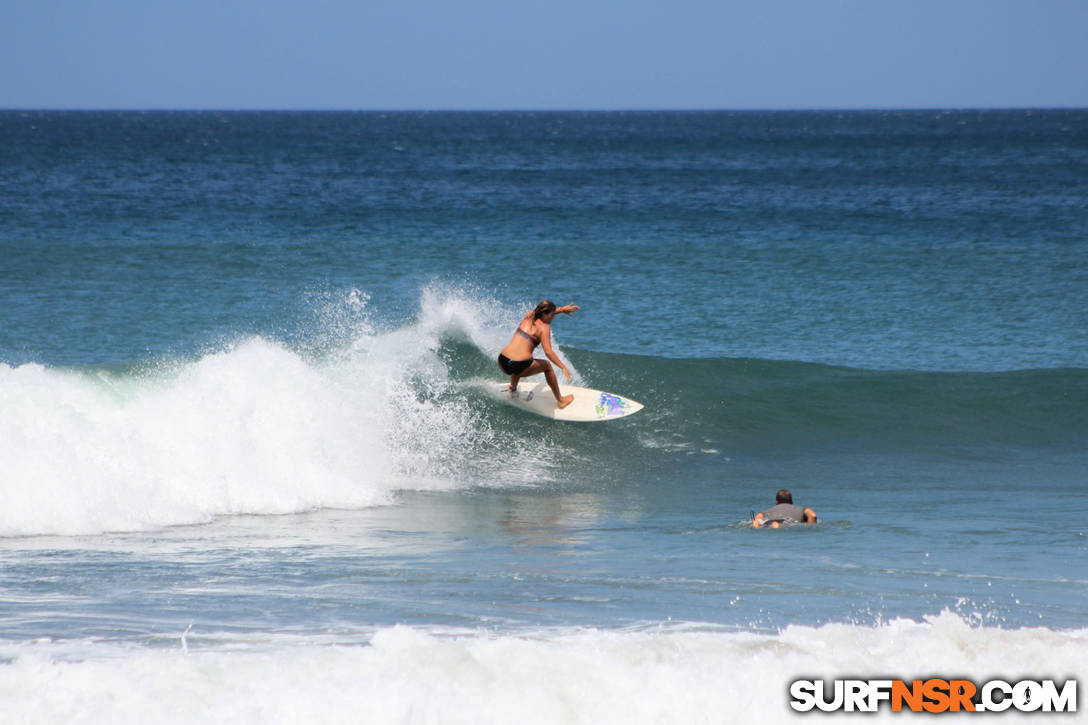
256,428
408,675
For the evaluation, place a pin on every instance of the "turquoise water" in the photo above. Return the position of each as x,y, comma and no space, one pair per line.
244,423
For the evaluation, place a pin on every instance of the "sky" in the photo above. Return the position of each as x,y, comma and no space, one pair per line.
542,55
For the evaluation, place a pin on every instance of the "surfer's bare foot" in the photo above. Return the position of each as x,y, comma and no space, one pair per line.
565,401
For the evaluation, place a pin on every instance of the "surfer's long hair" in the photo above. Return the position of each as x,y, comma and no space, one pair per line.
546,307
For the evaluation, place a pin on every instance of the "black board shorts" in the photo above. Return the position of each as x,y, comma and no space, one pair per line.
514,367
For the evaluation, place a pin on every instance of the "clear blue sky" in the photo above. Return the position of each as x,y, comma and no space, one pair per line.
537,54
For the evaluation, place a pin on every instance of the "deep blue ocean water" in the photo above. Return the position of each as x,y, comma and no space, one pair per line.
247,455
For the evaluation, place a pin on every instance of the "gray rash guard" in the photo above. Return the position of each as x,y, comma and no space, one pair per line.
785,512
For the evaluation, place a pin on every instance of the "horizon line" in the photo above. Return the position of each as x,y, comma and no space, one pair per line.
812,109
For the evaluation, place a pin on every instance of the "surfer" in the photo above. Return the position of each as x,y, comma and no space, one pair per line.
516,359
783,512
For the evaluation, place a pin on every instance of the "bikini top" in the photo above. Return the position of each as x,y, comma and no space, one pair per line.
531,338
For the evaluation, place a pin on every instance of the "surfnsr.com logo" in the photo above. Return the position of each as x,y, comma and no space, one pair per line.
934,695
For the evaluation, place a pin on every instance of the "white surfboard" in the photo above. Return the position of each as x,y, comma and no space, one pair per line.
589,405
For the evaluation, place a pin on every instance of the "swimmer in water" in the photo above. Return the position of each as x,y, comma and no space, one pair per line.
783,512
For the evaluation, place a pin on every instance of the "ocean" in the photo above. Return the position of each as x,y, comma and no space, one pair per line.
251,472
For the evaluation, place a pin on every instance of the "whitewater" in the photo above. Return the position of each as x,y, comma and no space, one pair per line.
403,674
255,428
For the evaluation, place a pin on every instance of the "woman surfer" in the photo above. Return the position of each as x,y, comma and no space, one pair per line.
516,359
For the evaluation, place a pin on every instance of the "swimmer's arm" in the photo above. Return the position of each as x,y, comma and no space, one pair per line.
757,520
568,309
810,516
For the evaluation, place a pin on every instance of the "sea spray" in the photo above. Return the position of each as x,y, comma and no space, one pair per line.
259,428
